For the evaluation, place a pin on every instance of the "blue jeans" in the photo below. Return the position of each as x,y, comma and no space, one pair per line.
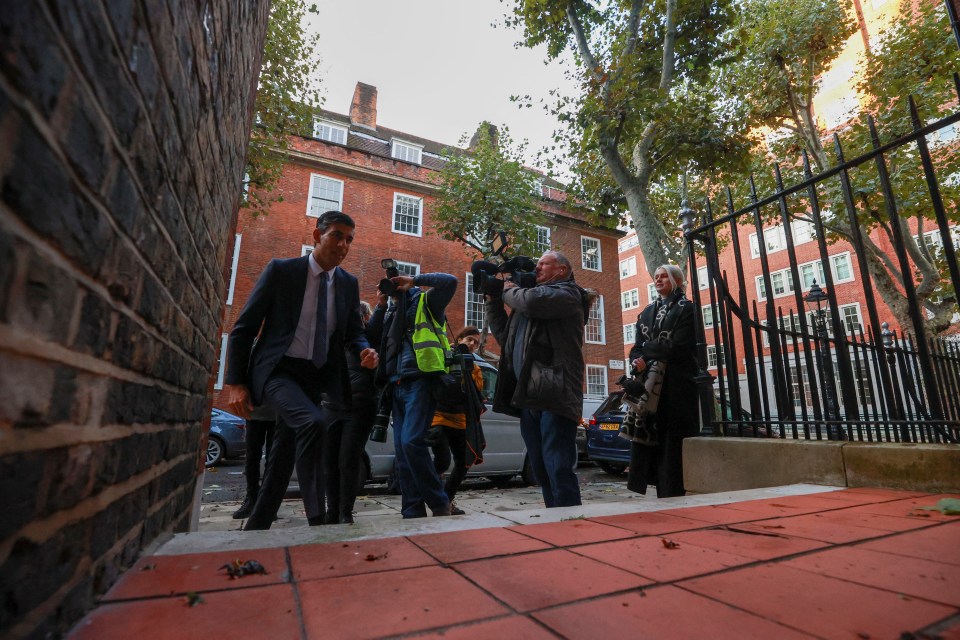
552,447
413,408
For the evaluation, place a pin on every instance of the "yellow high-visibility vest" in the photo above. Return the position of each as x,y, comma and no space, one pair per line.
430,342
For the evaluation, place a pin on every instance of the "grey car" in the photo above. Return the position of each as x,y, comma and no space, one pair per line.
227,437
504,457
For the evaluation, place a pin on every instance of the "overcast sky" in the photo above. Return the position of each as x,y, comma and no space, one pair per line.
439,66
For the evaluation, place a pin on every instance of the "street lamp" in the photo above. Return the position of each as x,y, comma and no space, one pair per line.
688,217
887,336
818,314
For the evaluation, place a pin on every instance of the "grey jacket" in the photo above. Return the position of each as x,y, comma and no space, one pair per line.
552,369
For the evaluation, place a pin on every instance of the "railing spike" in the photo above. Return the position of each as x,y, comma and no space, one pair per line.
914,113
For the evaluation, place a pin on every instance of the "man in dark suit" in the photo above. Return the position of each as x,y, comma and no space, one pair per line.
306,311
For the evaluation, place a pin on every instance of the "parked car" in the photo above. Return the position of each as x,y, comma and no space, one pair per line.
604,444
227,437
504,457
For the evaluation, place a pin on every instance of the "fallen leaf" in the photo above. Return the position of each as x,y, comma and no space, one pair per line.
371,558
669,544
946,506
148,567
193,599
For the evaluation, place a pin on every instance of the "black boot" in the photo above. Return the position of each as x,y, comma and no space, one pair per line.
346,516
246,508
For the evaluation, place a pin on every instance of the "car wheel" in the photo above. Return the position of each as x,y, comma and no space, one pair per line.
612,468
500,482
527,475
215,449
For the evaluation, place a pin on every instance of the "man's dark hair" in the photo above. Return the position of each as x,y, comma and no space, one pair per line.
468,330
328,218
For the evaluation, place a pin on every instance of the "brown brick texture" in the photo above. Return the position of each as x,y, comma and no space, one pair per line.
123,129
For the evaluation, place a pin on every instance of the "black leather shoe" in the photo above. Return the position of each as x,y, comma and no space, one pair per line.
246,508
448,509
315,521
346,517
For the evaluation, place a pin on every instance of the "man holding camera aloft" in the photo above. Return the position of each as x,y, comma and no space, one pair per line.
414,346
542,368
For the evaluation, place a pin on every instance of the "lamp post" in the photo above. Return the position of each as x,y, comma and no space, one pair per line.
815,300
887,336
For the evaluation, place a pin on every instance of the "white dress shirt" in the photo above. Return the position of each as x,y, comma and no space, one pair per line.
302,345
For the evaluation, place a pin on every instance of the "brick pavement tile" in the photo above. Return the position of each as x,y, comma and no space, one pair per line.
536,580
174,575
311,562
872,520
878,491
786,506
513,628
933,543
652,522
747,543
714,514
662,612
950,631
392,603
458,546
909,508
814,527
571,532
261,612
650,558
934,581
819,605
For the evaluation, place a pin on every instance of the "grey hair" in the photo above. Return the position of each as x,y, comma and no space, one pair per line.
562,260
365,310
675,274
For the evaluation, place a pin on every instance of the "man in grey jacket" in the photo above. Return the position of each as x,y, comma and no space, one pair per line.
541,370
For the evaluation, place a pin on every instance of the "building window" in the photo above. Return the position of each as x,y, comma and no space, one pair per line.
702,280
628,243
305,249
233,267
590,253
326,194
630,299
474,313
411,269
809,272
651,293
714,354
629,333
221,361
596,381
406,214
707,316
842,270
406,151
628,267
326,130
594,331
543,239
850,313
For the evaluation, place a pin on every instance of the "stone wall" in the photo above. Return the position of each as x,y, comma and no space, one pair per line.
123,129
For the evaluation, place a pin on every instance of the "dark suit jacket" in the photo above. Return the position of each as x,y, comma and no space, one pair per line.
273,311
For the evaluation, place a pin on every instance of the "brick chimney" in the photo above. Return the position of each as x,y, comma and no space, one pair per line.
363,109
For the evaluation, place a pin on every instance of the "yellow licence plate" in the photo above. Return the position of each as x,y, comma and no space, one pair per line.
609,426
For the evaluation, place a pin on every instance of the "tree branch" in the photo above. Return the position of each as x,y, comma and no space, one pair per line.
669,39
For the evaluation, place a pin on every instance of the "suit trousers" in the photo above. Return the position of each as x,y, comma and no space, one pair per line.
343,458
294,389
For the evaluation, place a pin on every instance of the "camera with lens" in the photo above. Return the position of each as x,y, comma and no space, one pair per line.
518,269
387,286
382,421
634,389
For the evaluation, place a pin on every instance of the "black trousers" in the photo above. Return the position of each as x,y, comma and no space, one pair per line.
456,439
294,389
343,457
259,434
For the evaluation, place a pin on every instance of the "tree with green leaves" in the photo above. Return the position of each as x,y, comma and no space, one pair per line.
645,113
487,189
287,97
787,49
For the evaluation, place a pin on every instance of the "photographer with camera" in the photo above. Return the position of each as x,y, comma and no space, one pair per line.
414,357
662,394
542,368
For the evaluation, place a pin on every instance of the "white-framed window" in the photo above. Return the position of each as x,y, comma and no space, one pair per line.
246,186
702,281
651,293
628,243
630,299
809,272
707,316
233,267
407,214
945,135
776,238
629,333
850,314
411,269
714,354
841,267
596,381
788,323
628,267
329,131
405,151
543,239
305,249
473,313
594,331
221,361
326,194
590,254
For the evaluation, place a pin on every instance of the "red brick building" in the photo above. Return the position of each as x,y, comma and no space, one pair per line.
384,179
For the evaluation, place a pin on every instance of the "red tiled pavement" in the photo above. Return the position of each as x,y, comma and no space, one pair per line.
858,563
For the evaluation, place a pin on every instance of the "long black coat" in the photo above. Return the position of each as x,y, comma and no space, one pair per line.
665,331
